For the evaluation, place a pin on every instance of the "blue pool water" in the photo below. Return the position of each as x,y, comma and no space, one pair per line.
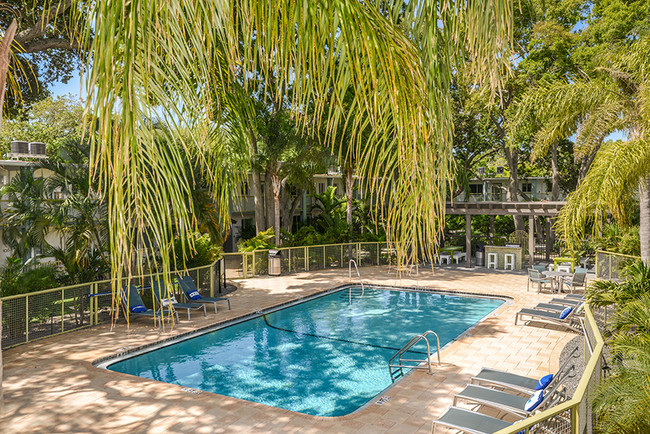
324,357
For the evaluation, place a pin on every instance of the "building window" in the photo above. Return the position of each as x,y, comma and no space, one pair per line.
527,187
476,188
321,187
245,189
496,193
329,182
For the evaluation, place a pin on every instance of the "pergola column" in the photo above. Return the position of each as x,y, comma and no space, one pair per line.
468,239
531,240
549,239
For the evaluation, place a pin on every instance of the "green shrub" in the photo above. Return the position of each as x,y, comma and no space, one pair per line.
262,241
204,252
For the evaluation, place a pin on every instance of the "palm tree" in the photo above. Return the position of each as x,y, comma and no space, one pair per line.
614,99
179,62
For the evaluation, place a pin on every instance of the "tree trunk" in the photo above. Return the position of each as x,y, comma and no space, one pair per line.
512,156
288,206
555,174
5,59
268,199
644,226
256,185
349,187
276,184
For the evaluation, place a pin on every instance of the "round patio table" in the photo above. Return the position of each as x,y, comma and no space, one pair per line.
556,278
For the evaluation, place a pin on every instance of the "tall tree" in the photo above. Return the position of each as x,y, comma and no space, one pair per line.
38,38
613,99
177,58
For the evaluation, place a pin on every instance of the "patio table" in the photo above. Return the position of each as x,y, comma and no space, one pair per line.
556,278
560,259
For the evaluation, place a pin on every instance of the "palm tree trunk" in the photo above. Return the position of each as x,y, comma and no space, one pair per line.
644,224
268,198
513,184
256,185
5,53
349,186
277,187
555,174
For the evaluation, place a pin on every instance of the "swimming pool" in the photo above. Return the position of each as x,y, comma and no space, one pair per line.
325,356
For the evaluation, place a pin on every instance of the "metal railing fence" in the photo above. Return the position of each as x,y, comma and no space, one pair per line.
609,264
574,416
30,316
242,265
34,315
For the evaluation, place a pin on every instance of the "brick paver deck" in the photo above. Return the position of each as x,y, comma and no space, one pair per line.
52,386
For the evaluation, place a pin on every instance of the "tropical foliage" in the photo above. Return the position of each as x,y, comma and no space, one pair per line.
181,63
623,399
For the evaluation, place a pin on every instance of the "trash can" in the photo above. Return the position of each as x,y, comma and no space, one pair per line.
275,262
480,255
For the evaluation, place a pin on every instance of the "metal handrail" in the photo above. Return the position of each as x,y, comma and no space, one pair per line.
408,346
353,262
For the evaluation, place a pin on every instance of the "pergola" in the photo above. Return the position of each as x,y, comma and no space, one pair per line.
528,209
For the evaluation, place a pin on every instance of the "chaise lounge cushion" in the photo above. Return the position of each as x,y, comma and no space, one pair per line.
566,312
138,308
534,401
194,295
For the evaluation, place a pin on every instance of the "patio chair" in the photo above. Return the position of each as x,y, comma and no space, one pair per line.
521,406
191,293
577,281
506,380
133,301
164,300
540,268
536,277
469,421
566,318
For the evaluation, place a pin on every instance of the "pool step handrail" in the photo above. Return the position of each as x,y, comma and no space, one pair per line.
350,264
397,369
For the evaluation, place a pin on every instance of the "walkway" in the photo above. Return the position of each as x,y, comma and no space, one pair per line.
52,386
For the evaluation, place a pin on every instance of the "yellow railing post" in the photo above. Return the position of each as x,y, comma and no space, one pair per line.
27,318
341,256
254,264
212,278
289,250
306,258
324,262
62,310
244,258
378,250
358,252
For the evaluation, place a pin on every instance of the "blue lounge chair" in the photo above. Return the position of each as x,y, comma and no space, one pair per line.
136,307
191,293
164,300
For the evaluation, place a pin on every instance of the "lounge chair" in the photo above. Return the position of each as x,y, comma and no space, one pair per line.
165,300
536,277
507,380
568,301
132,299
564,318
469,421
191,293
521,406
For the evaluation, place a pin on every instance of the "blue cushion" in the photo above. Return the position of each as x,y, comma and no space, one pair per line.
565,313
544,382
138,308
534,401
194,295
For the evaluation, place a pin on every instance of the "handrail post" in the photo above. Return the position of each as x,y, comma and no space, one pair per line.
212,269
306,258
378,250
62,310
27,318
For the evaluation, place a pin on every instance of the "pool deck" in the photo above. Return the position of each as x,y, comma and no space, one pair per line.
51,385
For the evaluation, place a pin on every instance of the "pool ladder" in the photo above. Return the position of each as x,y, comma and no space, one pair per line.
350,264
397,369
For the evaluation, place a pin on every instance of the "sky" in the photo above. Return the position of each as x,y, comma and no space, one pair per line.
73,87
